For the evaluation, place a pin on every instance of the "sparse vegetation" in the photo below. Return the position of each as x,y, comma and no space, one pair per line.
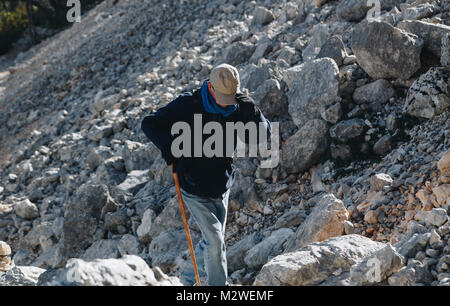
14,19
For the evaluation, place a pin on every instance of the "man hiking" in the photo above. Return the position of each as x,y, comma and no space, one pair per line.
205,181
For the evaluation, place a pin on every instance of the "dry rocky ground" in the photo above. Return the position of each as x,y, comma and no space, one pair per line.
361,195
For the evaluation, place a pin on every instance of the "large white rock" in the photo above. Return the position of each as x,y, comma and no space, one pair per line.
129,270
431,33
15,277
384,51
436,216
325,221
303,149
314,88
271,246
317,262
376,267
30,272
429,95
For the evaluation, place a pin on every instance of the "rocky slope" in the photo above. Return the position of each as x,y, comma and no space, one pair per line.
361,194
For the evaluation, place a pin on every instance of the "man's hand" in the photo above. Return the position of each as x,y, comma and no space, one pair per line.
168,157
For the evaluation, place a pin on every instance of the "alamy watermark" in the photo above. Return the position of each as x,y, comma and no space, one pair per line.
217,144
74,13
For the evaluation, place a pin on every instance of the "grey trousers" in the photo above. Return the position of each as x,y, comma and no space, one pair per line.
210,253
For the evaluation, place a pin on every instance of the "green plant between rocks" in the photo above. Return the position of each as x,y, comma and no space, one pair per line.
48,14
13,21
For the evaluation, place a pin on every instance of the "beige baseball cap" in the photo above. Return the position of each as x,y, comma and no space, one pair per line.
225,82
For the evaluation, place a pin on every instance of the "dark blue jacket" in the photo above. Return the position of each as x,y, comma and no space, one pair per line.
203,176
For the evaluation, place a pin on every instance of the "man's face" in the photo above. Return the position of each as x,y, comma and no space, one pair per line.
217,102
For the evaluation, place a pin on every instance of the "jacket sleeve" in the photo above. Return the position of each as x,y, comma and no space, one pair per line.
157,126
253,114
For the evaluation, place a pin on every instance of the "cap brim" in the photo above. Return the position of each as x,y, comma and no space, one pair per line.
225,99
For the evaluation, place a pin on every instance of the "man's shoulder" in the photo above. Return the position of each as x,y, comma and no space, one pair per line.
186,98
186,95
244,99
246,103
193,95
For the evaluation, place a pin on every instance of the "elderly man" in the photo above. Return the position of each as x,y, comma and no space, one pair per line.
206,181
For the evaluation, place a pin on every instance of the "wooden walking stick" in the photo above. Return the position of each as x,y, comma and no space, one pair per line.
186,226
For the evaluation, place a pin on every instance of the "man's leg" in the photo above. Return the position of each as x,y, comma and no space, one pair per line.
188,275
210,215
